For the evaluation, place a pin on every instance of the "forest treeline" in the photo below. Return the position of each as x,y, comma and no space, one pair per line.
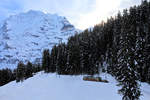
22,72
120,46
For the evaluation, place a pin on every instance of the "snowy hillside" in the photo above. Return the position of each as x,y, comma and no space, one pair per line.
53,87
24,36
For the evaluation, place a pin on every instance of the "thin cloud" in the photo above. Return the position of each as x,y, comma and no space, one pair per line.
103,10
82,13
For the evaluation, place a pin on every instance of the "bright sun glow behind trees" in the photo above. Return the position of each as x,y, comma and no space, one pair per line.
81,13
102,10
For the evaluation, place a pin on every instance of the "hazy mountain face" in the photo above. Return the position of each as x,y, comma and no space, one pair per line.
24,36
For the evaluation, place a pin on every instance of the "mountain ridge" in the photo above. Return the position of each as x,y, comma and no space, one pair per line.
24,36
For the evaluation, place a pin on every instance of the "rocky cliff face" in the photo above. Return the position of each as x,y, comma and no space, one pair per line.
24,36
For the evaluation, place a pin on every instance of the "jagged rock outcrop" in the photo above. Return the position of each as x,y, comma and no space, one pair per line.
24,36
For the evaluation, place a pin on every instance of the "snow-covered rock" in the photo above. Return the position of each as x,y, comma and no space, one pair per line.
24,36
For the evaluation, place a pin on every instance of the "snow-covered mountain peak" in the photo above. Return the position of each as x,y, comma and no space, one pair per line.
33,12
24,36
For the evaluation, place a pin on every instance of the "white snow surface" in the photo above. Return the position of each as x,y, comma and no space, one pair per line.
24,36
54,87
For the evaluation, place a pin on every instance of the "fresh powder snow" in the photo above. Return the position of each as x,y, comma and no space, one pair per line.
60,87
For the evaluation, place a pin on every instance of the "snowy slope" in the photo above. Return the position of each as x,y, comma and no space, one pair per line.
145,91
53,87
24,36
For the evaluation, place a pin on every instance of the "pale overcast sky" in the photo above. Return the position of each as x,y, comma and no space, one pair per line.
81,13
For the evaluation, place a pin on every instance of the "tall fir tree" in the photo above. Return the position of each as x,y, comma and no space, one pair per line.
127,76
20,72
46,60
